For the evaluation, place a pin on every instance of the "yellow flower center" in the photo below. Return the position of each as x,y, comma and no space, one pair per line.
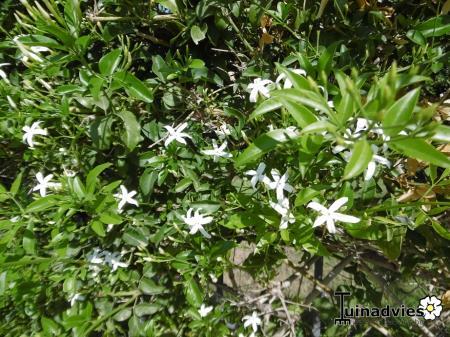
430,307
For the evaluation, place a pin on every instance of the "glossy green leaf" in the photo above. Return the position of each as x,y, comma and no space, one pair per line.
42,204
16,184
437,26
134,86
109,63
264,144
266,106
421,150
361,157
98,228
132,129
400,113
197,34
91,178
193,293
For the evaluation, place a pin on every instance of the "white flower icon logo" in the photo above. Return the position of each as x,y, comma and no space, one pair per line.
431,307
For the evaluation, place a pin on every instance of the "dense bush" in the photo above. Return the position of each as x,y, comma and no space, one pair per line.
143,141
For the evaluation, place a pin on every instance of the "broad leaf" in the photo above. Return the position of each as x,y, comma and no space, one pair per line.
361,157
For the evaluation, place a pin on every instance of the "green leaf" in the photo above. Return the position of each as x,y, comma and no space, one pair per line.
266,106
264,144
441,134
98,228
137,237
305,195
134,86
144,309
16,184
91,178
122,315
100,132
197,34
132,129
147,181
29,242
111,218
242,220
302,115
400,113
361,157
42,204
73,16
109,63
50,327
193,293
440,230
307,97
416,37
149,287
421,150
3,283
78,187
437,26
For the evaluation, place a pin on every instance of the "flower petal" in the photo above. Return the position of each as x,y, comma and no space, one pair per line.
338,204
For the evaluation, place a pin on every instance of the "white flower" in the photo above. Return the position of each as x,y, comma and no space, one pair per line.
31,131
176,134
113,260
370,171
282,207
279,184
431,307
258,87
287,81
217,152
252,320
223,131
97,258
44,183
76,297
125,197
204,310
3,74
197,221
258,175
362,124
329,215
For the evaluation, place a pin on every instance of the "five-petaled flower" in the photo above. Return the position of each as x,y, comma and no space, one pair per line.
252,320
258,175
44,183
329,215
176,134
279,184
204,310
217,151
126,197
282,207
31,131
431,307
259,87
196,222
